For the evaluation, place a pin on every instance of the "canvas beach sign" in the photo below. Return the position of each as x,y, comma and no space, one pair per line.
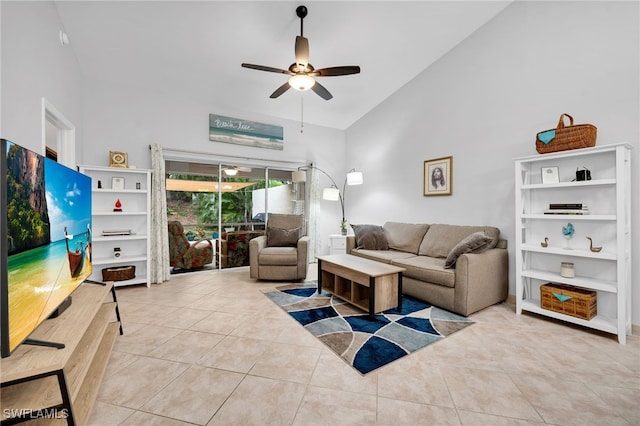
245,132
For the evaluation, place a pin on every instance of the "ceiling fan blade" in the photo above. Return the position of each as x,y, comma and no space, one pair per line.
335,71
280,90
264,68
321,91
302,51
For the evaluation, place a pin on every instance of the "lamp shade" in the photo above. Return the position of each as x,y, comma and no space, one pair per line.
301,82
332,194
354,178
299,176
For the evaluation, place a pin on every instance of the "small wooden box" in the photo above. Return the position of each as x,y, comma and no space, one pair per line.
569,300
121,273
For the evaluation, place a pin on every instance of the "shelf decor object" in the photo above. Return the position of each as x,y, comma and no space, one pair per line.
568,231
118,159
113,246
592,248
564,138
569,300
606,273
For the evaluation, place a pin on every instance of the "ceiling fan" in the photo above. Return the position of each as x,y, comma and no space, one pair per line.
301,71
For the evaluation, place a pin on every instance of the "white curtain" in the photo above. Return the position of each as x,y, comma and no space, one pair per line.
314,215
160,269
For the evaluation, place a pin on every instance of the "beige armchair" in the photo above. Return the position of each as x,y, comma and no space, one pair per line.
282,253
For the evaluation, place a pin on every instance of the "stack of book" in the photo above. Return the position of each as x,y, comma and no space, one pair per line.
567,208
113,232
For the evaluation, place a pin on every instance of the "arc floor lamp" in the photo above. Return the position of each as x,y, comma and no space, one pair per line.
332,193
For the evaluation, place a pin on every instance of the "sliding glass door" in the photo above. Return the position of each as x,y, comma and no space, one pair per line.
229,203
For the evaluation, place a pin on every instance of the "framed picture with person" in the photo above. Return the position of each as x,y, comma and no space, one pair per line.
438,176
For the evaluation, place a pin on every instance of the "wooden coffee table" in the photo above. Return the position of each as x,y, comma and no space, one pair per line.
367,284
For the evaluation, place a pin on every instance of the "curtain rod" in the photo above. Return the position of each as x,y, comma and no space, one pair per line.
232,157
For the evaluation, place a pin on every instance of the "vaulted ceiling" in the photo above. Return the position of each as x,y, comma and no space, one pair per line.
194,49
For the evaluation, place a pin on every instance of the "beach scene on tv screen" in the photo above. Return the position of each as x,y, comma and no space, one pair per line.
48,237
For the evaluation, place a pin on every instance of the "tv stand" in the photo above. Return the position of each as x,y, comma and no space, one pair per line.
62,384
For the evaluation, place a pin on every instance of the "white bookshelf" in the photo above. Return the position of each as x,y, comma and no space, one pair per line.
135,197
608,196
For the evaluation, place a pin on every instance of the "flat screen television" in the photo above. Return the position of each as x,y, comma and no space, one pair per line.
46,254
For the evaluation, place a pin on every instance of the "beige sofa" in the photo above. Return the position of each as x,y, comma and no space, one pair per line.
477,279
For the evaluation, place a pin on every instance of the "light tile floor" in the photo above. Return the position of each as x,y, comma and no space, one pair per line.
208,348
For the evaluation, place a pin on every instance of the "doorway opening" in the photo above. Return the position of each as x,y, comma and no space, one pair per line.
58,136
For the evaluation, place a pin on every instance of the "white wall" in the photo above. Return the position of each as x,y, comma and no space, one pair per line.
484,102
36,65
280,200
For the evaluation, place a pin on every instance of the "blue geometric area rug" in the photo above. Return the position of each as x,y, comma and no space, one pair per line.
363,342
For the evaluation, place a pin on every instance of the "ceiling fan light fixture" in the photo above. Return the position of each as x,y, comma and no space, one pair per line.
301,82
230,172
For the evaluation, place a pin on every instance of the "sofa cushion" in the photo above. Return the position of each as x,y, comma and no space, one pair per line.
472,243
441,239
280,237
404,236
385,256
429,269
278,256
370,237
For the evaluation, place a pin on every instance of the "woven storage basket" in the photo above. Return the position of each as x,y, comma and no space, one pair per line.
120,273
569,300
564,137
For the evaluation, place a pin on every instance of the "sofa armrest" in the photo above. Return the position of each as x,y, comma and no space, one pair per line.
255,245
351,243
482,279
303,256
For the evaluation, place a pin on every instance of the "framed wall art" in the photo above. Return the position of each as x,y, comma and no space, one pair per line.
438,176
245,132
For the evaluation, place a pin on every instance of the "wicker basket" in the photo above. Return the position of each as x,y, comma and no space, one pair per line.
569,300
120,273
563,137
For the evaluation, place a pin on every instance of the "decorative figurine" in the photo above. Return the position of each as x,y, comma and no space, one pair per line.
545,243
591,247
568,232
118,207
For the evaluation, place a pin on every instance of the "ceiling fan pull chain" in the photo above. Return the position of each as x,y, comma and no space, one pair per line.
301,112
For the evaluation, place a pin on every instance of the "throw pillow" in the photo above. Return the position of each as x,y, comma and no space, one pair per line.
370,237
279,237
404,236
474,243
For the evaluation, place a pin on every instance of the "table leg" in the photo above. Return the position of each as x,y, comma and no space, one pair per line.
319,276
399,291
372,296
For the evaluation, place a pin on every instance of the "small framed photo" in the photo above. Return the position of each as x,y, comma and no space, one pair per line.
550,175
438,176
117,183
